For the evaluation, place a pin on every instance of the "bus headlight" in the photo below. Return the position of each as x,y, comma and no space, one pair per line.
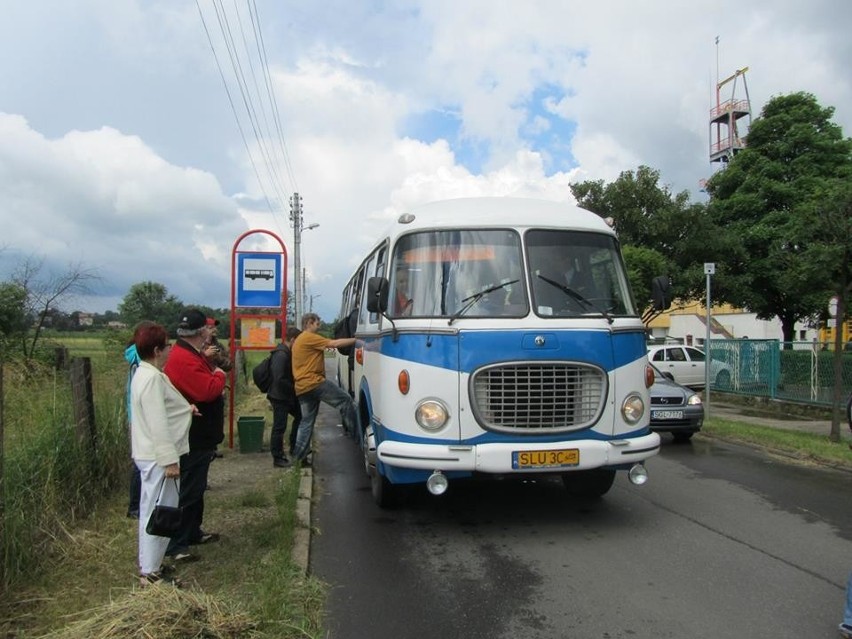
431,415
633,408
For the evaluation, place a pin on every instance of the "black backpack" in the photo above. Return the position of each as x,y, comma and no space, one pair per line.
262,374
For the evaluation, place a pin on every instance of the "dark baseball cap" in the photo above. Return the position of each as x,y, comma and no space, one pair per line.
192,319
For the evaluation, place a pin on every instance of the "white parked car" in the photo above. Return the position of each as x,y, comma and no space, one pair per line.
686,365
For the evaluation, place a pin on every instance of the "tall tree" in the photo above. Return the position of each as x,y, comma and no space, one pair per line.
150,301
658,229
774,201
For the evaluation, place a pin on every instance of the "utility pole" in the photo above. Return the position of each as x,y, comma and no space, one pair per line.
299,279
296,220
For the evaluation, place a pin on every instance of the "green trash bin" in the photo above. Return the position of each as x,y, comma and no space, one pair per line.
250,432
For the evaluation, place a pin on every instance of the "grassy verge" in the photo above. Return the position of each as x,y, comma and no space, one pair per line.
246,585
806,447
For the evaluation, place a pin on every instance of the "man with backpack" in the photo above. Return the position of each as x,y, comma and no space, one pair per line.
282,396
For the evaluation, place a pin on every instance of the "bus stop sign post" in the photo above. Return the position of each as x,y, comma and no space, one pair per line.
258,280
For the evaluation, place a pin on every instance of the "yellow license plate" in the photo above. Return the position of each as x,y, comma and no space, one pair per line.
545,458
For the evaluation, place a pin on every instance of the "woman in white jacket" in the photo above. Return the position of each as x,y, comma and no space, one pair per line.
159,436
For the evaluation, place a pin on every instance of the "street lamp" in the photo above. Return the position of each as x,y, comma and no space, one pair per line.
311,307
298,227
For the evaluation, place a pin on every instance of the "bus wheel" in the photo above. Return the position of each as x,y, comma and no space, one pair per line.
368,447
385,494
589,484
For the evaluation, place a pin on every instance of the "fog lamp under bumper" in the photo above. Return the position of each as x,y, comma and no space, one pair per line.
637,474
437,483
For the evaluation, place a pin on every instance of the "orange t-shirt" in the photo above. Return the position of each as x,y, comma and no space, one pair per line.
309,361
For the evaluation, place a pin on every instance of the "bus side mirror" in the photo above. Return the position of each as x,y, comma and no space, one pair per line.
661,293
377,294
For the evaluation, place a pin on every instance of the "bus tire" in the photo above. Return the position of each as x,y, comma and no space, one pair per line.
589,484
385,494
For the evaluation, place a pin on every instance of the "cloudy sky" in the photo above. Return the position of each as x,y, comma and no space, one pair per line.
129,146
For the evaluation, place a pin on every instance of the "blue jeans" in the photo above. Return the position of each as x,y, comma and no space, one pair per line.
334,396
847,612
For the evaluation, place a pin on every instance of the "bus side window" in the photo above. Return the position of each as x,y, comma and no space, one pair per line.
378,272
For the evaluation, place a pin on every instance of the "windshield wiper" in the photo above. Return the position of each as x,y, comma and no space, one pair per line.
473,299
568,291
575,296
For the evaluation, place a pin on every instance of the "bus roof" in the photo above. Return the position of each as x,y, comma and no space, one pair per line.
499,212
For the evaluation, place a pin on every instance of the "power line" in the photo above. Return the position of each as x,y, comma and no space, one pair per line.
230,45
233,108
265,65
273,166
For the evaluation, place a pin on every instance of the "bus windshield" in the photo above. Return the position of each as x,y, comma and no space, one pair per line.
576,273
480,273
474,273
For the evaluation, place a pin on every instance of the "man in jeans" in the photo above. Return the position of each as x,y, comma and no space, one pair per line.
312,387
201,385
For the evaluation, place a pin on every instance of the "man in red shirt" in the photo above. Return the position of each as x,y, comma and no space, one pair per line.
202,385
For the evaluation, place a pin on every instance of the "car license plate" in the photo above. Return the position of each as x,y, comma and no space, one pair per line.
666,414
545,458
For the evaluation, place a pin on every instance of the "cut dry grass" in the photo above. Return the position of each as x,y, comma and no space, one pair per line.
161,612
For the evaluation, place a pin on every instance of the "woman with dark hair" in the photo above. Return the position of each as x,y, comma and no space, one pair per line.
132,359
159,435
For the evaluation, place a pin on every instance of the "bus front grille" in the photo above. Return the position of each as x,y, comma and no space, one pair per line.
538,397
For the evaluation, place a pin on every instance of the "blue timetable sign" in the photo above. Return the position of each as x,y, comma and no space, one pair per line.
259,280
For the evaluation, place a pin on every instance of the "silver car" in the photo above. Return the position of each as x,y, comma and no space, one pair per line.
675,409
686,365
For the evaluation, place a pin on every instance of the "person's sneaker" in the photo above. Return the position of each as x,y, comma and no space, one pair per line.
182,557
159,578
307,462
845,630
133,514
281,462
205,538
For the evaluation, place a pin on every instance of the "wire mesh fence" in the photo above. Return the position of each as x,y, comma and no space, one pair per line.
796,371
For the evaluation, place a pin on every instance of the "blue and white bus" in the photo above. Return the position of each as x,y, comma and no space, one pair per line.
497,336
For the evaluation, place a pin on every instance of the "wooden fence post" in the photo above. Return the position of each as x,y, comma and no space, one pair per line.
2,486
83,400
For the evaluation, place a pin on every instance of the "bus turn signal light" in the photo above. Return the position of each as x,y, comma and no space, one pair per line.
404,382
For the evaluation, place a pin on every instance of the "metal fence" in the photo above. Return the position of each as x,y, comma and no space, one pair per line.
797,371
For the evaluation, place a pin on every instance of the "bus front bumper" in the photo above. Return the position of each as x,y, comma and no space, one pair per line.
518,458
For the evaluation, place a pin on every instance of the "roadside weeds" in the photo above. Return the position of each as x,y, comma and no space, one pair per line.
251,583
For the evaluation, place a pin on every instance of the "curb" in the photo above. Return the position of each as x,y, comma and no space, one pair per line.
302,532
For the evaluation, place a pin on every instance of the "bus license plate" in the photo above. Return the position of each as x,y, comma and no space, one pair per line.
545,458
667,414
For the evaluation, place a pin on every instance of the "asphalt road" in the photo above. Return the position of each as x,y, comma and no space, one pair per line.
723,542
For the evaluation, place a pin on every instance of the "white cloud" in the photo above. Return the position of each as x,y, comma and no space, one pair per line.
106,200
119,147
